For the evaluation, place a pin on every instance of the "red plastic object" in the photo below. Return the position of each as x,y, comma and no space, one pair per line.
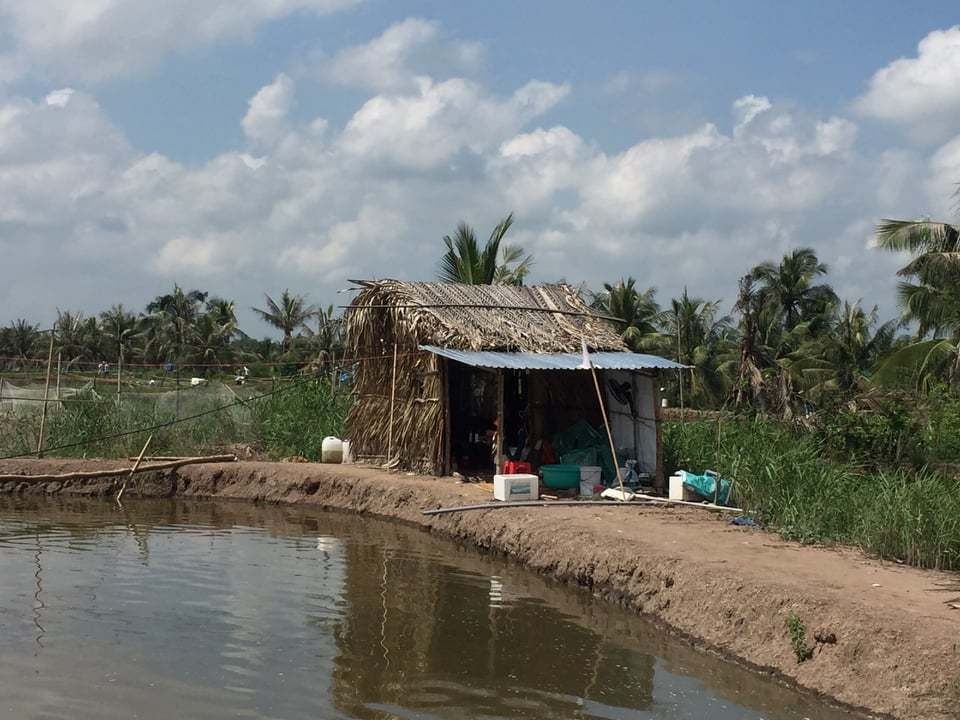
517,467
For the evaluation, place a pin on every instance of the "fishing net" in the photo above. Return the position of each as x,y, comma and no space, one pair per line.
16,397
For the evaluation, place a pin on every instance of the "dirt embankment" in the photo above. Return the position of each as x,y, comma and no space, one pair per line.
891,631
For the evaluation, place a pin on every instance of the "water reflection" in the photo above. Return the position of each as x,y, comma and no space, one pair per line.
204,610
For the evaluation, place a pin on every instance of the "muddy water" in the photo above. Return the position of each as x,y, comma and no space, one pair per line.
203,610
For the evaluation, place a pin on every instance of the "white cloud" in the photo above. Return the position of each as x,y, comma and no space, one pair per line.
943,178
394,61
429,127
310,202
921,93
266,118
747,108
100,39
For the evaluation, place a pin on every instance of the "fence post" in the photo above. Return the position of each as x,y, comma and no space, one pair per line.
46,396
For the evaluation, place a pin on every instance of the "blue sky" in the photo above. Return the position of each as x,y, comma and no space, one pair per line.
251,147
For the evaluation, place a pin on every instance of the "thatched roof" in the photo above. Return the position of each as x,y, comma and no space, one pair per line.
480,317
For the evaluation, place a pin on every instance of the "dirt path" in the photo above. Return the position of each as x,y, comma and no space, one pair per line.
728,589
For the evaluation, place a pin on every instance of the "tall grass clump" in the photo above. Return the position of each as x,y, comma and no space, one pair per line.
295,422
789,482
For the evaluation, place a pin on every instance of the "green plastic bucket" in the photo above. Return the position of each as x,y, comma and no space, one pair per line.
561,477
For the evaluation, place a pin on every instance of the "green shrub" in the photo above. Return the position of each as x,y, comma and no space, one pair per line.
788,482
798,638
295,422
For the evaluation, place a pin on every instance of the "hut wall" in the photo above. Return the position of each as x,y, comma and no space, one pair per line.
418,410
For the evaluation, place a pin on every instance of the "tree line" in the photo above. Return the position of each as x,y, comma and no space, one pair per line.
189,329
787,342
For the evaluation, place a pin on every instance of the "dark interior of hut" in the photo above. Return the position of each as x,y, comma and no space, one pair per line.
536,406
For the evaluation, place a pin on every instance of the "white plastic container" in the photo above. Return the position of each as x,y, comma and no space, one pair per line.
677,491
347,456
516,487
331,450
590,477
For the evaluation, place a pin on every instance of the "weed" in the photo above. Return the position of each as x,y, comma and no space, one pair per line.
787,480
798,638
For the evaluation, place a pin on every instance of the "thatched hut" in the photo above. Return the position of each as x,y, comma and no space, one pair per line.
443,368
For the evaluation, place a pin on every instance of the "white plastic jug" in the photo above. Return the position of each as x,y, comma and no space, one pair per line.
331,450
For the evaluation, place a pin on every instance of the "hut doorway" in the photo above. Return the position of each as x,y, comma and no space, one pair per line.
473,418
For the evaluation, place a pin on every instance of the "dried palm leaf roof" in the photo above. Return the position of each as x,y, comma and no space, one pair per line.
539,318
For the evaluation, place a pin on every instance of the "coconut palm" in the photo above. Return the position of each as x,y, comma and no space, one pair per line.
327,340
635,311
929,295
22,338
291,313
170,321
118,328
692,332
791,284
466,262
76,336
855,343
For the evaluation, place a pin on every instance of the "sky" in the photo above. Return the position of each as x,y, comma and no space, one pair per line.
252,146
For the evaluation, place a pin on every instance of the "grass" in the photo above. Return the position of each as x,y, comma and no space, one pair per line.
293,422
798,638
790,484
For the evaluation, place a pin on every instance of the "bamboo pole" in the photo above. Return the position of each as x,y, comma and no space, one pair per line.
606,424
58,375
500,419
119,472
119,372
393,395
136,465
46,397
644,501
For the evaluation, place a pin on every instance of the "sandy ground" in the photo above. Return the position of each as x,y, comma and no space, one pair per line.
729,590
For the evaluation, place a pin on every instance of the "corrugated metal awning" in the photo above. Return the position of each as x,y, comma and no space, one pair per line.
554,361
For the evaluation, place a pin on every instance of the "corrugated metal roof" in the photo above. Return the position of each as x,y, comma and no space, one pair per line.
554,361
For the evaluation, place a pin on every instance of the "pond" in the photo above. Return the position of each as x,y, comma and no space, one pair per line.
228,610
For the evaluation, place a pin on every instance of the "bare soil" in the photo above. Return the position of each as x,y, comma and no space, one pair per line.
889,633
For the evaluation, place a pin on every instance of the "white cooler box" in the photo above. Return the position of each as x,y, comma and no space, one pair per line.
516,487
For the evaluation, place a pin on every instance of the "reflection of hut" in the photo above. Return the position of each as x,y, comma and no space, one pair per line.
442,368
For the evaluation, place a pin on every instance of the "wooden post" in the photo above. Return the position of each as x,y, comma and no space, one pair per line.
177,412
119,371
447,418
46,396
58,375
500,402
393,395
659,480
1,388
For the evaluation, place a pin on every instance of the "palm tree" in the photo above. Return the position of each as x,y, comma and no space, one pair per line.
929,295
170,323
327,340
291,313
466,262
23,338
791,285
635,311
856,343
691,332
118,328
76,336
